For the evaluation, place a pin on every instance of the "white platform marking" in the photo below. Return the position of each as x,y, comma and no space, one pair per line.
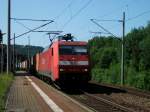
49,101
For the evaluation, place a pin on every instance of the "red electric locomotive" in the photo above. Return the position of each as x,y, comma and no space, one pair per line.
65,61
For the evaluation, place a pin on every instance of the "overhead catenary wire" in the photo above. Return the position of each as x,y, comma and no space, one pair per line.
22,19
73,16
139,15
117,9
112,12
78,12
40,20
98,32
111,20
33,29
54,32
40,31
103,28
61,13
22,24
108,20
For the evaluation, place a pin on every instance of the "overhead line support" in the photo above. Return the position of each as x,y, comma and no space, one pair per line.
122,41
103,28
122,54
19,19
8,36
33,29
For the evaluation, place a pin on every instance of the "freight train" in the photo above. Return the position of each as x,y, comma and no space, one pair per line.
63,61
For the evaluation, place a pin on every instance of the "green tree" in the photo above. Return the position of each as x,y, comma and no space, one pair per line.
108,56
145,53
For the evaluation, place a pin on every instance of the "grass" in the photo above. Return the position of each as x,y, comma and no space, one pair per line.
5,82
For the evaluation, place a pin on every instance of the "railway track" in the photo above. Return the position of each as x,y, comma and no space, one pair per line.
103,98
93,102
133,91
96,103
106,99
114,107
132,98
138,92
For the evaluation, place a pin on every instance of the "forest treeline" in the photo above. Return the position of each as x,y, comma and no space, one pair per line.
25,49
106,58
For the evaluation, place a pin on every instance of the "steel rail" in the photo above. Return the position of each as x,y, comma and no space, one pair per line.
109,102
133,91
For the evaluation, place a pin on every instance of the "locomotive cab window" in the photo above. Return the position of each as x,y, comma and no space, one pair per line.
73,50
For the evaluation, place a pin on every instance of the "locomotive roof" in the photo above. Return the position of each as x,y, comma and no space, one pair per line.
77,43
72,43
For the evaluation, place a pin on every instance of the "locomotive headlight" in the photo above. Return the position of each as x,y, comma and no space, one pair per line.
85,70
61,69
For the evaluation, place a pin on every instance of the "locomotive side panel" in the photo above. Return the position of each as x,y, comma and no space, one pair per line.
43,65
55,61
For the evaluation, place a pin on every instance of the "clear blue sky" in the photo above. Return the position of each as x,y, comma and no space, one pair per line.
78,15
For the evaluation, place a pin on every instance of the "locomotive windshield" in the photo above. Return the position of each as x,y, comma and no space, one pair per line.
73,50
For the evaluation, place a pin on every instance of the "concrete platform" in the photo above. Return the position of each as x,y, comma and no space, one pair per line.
29,94
23,97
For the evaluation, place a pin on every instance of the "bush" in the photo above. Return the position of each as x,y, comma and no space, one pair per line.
143,80
139,80
111,75
97,74
131,78
5,81
147,81
114,73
